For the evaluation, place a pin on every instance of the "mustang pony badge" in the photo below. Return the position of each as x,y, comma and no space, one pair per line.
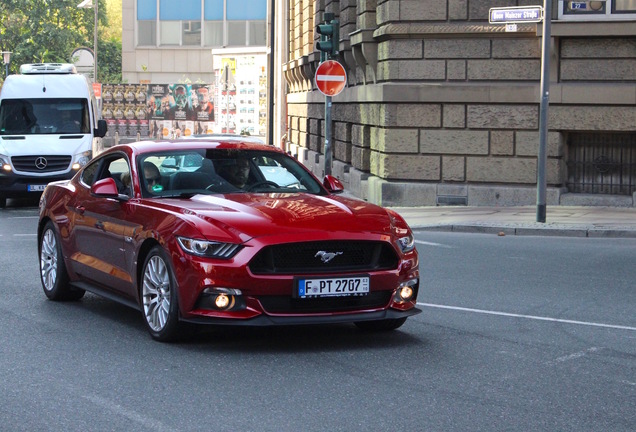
325,257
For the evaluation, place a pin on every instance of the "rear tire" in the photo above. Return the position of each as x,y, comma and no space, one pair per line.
382,325
53,274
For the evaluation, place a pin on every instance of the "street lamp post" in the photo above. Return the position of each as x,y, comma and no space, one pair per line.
6,59
87,4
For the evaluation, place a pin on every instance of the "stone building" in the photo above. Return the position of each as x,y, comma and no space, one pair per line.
442,107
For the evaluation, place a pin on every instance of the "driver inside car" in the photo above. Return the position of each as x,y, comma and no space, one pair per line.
235,171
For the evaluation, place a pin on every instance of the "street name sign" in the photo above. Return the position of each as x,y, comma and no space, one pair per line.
330,78
515,15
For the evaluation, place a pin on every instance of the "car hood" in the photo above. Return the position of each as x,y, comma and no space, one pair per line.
247,216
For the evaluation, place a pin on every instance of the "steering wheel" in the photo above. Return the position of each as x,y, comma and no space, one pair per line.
261,183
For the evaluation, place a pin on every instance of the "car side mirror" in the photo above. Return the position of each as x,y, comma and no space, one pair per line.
333,185
105,188
102,127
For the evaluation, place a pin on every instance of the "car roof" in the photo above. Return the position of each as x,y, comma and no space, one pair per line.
200,143
225,137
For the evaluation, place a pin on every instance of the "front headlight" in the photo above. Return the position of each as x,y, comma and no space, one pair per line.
209,249
82,159
4,163
407,243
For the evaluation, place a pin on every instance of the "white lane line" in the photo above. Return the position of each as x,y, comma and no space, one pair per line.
576,355
24,217
532,317
140,418
433,244
25,235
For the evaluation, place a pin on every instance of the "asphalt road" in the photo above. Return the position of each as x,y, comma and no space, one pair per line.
517,333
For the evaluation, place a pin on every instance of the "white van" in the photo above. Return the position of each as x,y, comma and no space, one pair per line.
49,127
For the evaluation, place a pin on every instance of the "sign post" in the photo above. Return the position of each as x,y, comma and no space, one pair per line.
528,14
330,78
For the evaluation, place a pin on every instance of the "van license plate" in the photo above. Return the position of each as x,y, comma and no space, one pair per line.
333,287
36,188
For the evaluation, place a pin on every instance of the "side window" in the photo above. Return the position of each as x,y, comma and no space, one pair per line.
88,175
119,170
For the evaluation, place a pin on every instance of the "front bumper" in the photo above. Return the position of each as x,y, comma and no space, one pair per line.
15,185
264,320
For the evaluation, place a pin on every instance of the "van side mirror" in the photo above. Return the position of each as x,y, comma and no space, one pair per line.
102,127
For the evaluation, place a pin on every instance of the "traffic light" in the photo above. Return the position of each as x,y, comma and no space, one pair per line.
329,31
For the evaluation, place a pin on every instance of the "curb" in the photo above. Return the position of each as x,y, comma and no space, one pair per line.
554,230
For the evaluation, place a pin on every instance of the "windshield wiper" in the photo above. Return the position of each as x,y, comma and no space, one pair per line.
177,195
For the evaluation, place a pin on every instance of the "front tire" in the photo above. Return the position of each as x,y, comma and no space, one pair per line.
53,274
380,326
160,306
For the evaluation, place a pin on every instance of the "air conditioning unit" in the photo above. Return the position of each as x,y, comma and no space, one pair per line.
47,68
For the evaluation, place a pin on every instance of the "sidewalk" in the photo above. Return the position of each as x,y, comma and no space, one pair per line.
571,221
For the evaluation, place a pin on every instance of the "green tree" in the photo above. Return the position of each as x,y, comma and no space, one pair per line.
49,30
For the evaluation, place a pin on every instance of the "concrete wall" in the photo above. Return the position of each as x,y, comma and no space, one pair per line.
442,107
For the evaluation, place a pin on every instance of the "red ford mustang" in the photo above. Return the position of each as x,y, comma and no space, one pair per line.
224,232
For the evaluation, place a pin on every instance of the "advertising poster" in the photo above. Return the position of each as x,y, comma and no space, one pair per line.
161,111
159,101
241,93
180,108
203,103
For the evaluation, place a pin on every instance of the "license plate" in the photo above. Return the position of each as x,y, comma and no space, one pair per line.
333,287
36,188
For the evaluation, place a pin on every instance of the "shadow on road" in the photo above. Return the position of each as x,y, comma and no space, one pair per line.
233,339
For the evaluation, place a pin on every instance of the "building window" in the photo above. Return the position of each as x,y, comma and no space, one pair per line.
596,10
236,33
204,23
214,34
146,33
257,31
191,34
146,22
626,6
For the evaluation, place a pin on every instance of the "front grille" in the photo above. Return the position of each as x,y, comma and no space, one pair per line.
295,258
286,304
41,164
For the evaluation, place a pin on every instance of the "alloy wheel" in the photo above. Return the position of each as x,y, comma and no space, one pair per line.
156,293
48,260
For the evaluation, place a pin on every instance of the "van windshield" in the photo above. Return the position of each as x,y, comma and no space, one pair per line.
44,116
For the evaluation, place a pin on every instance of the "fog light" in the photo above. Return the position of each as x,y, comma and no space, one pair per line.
6,167
222,301
76,166
406,293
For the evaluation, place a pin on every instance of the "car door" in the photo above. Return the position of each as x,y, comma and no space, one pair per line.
100,229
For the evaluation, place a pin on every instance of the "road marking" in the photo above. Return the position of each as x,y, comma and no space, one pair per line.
433,244
532,317
24,217
576,355
25,235
141,419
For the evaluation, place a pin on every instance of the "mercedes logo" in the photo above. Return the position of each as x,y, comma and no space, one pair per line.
40,163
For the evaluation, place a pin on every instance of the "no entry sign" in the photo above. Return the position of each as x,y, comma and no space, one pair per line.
330,78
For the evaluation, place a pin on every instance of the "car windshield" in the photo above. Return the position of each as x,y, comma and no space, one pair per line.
182,173
44,116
